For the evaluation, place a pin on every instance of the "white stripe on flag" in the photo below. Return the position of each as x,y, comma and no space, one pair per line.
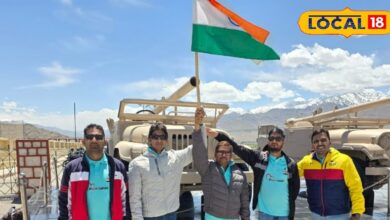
206,14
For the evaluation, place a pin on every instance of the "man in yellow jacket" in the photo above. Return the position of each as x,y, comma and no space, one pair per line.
332,181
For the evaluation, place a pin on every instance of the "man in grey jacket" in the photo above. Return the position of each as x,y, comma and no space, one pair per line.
154,177
224,185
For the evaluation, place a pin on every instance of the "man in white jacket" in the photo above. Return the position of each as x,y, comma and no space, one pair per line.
154,177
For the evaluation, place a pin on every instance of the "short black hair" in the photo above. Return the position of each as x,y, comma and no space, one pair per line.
319,131
276,130
157,126
99,127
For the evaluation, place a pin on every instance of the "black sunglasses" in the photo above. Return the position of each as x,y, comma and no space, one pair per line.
161,137
98,137
272,138
221,152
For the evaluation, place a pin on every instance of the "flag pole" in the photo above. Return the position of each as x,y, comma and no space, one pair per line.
202,127
197,78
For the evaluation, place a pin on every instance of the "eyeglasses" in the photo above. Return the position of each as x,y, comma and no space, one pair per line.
221,152
273,138
98,137
320,140
161,137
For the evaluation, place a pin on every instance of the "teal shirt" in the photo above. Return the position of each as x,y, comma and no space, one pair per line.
273,195
228,176
228,172
98,194
321,160
150,150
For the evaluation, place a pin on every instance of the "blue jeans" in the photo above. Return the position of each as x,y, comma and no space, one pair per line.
264,216
169,216
315,216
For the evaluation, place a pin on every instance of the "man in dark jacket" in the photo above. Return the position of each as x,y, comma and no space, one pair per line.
94,186
276,178
225,188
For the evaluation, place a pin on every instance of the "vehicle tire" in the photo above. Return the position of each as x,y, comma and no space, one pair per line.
186,209
368,193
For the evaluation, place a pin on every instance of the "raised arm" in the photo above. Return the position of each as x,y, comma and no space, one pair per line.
199,153
248,155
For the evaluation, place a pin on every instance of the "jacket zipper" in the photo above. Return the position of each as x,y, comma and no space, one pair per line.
322,188
158,168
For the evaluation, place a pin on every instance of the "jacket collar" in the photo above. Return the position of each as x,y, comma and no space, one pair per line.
151,153
332,151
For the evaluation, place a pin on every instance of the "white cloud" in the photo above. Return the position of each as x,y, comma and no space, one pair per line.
56,76
266,108
223,92
299,99
273,90
219,92
11,107
152,88
8,106
324,57
274,76
240,111
332,71
11,111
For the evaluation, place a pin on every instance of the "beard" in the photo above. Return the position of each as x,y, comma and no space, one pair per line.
274,148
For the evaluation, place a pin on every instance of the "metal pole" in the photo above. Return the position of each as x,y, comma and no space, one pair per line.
13,169
388,192
23,195
55,171
44,170
74,115
197,78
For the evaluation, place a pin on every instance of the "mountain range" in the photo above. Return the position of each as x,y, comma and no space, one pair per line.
244,126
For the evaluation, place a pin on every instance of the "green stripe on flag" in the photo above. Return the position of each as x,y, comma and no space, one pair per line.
229,42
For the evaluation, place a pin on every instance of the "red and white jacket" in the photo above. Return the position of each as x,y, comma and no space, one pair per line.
72,197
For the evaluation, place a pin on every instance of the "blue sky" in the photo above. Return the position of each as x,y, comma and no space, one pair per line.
95,53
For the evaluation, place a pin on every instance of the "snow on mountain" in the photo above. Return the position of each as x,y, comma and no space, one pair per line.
347,99
244,126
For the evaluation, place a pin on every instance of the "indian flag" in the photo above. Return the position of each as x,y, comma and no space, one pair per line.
217,30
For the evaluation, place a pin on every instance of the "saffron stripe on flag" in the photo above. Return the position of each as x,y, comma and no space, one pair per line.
256,32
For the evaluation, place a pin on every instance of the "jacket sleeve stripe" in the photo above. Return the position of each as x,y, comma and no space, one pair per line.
326,174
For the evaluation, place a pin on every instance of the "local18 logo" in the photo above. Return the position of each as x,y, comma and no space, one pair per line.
346,22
